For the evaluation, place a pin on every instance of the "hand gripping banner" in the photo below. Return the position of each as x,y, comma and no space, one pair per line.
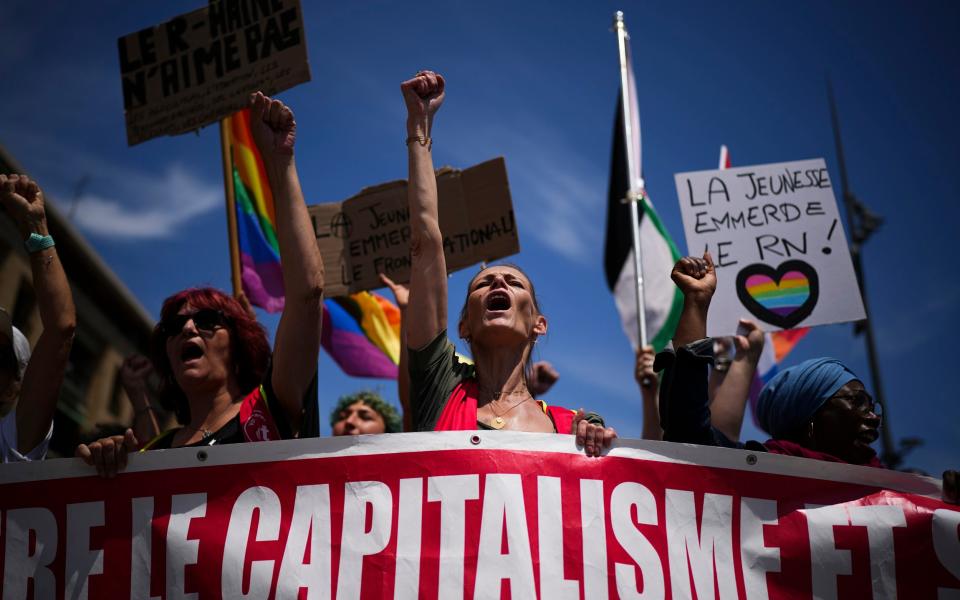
473,515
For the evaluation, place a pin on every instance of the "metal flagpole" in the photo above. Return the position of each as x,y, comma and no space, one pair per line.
862,224
635,191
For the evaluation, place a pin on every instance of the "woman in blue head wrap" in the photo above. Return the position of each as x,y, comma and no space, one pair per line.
819,409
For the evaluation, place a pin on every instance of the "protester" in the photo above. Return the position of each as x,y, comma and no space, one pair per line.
364,413
648,381
213,358
541,376
25,431
818,409
500,320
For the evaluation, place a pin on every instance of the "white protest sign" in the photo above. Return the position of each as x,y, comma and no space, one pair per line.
777,241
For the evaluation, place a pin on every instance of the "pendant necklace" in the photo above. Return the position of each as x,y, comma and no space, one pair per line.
498,422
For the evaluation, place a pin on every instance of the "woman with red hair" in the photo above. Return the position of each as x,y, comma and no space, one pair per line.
215,365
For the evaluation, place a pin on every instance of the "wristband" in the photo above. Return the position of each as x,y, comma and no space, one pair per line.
36,242
422,140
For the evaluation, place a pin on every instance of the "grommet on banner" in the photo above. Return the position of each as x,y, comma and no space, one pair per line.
751,459
474,439
202,455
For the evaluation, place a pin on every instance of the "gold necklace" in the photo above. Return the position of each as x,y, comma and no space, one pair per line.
498,422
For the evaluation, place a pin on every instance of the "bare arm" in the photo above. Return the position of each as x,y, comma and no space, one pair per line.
697,279
297,343
649,383
40,388
134,374
730,397
401,294
427,311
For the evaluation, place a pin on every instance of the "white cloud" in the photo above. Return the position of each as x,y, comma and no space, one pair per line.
147,206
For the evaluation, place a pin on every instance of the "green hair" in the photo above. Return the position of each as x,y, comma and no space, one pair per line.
391,419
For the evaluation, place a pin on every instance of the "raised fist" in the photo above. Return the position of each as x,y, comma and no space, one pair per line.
696,277
23,199
541,378
134,372
749,341
423,95
273,126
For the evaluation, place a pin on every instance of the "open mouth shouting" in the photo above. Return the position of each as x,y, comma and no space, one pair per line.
497,301
190,351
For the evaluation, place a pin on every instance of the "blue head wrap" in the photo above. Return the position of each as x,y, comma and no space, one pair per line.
794,395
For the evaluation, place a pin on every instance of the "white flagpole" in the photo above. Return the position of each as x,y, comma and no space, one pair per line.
636,192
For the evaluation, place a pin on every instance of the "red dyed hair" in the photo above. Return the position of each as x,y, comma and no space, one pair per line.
249,348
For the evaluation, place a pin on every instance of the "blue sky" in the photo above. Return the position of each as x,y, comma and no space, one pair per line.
536,82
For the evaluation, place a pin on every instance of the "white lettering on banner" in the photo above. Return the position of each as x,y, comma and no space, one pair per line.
757,558
593,524
626,496
355,541
81,561
550,542
452,491
826,560
503,507
181,550
406,584
611,528
880,521
141,548
265,500
946,544
311,520
700,553
20,565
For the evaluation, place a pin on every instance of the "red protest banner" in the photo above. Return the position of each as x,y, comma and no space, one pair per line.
473,515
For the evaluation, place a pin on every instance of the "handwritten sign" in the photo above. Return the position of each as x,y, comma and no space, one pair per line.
369,233
200,67
776,238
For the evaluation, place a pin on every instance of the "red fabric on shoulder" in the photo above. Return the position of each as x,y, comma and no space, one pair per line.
562,418
460,412
256,422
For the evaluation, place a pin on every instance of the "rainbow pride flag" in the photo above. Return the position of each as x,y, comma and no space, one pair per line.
256,218
361,332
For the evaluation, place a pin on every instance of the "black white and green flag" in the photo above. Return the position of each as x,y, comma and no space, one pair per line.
658,252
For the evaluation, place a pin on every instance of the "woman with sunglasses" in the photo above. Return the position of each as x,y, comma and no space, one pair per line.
213,358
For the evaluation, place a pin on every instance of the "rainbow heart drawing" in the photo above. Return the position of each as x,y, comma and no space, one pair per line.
784,296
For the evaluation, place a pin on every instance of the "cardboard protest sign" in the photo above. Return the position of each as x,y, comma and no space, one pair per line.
369,233
776,238
465,514
200,67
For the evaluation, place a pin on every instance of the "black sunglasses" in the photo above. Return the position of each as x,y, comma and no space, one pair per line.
205,319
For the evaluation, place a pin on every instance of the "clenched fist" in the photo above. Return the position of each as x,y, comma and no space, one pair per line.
273,127
423,95
696,277
23,199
